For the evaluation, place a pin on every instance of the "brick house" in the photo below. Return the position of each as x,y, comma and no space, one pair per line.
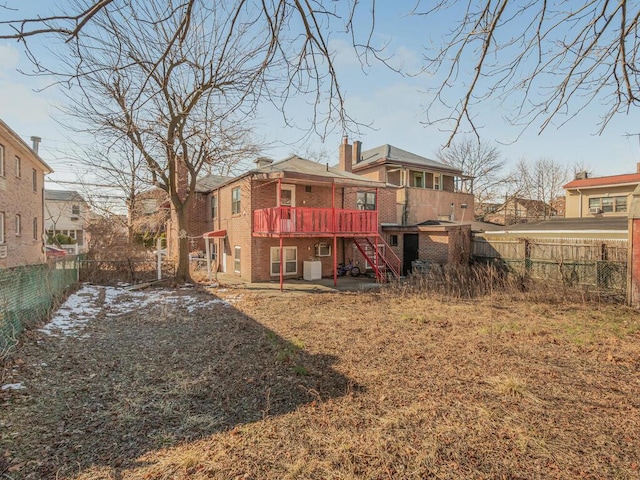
315,217
430,206
22,174
311,215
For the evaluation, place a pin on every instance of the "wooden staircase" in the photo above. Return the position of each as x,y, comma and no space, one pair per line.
385,263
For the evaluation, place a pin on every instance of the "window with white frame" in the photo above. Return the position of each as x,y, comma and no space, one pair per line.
416,179
609,204
213,250
75,210
1,160
214,206
235,201
18,167
236,259
18,225
290,266
1,227
437,181
366,201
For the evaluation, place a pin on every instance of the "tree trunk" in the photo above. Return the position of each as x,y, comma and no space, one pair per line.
182,257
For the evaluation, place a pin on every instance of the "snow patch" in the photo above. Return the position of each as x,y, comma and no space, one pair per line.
13,386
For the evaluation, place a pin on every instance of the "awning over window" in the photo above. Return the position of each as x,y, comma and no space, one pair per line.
215,234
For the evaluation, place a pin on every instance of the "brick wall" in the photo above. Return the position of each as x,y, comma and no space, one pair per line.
17,197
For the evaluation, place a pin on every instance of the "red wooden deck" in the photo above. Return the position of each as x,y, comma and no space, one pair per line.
310,222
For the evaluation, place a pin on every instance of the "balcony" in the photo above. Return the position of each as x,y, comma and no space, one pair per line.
313,222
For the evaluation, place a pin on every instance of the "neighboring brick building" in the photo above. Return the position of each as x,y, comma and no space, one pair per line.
22,174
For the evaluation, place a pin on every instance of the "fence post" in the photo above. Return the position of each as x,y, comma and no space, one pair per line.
633,258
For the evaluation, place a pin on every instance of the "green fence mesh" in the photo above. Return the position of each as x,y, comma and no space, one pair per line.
27,294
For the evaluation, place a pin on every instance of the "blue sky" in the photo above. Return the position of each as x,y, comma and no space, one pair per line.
393,104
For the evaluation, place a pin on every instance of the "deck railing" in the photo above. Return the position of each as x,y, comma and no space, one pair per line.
314,221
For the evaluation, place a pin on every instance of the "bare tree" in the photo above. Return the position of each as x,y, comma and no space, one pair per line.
178,80
479,161
539,183
550,58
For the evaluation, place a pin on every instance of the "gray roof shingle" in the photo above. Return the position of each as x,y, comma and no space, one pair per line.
394,154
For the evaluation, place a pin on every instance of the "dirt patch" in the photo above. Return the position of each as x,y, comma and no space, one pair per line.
330,385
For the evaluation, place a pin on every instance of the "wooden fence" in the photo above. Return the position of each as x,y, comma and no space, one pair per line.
600,264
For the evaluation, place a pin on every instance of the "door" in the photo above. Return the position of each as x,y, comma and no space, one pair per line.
287,199
409,251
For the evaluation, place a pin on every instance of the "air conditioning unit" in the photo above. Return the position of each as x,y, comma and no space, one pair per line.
323,250
594,210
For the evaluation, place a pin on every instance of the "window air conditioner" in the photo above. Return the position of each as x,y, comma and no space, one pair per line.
594,210
323,250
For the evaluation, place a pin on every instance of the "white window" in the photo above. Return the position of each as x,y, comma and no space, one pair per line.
236,259
235,201
366,201
18,224
75,210
290,260
1,160
437,181
18,167
214,251
1,227
214,207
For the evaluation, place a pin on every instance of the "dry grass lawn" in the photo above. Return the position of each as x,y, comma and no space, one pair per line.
331,385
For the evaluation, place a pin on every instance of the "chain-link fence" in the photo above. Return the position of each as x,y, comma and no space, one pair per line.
594,265
112,272
27,294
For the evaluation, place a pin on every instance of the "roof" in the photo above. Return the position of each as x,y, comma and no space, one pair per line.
26,147
388,153
302,167
624,179
571,225
63,196
299,169
210,182
476,226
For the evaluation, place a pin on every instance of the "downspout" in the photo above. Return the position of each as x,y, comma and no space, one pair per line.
279,216
579,207
335,236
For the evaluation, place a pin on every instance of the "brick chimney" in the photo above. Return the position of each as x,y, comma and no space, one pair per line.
262,162
36,143
346,159
638,167
357,152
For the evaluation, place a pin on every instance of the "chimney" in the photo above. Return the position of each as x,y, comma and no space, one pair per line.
357,152
346,160
582,175
638,167
262,162
36,143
